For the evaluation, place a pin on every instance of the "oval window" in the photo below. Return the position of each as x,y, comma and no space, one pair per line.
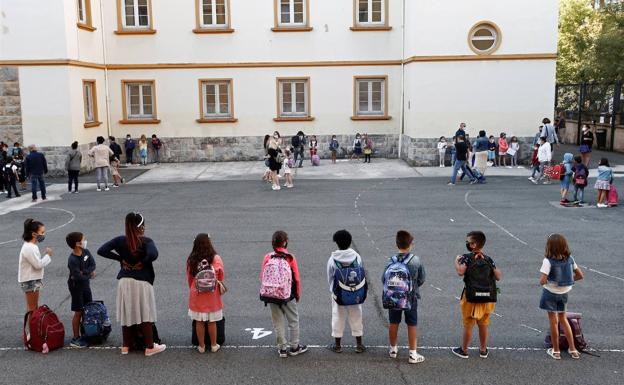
484,38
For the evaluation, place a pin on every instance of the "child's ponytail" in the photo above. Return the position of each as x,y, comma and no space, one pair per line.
30,226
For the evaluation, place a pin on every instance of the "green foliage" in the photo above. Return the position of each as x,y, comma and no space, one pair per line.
591,42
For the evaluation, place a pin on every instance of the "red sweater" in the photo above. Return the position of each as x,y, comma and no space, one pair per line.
293,266
205,302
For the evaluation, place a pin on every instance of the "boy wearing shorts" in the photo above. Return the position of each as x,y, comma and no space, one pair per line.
81,266
472,312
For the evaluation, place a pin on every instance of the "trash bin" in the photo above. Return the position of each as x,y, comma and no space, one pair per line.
601,138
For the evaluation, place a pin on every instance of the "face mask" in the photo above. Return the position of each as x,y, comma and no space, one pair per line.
83,244
275,137
468,247
40,238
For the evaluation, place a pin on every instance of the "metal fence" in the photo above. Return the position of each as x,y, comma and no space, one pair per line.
599,105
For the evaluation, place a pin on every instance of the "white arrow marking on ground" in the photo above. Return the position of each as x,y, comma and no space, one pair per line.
258,333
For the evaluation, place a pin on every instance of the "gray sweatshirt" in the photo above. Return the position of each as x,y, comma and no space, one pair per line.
345,257
73,161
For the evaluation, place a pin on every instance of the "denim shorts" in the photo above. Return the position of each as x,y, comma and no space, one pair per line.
34,285
553,302
411,316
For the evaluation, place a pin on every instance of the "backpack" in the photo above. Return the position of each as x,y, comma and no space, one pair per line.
574,319
350,285
205,278
277,280
479,280
612,196
95,325
295,141
397,288
580,177
43,331
316,160
557,171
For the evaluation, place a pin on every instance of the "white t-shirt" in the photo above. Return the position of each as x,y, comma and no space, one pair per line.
441,146
285,166
552,286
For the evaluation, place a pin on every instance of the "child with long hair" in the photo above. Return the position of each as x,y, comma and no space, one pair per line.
205,305
143,149
31,263
603,183
267,172
288,162
503,146
514,147
559,271
442,145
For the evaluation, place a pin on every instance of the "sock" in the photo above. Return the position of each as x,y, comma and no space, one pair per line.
394,348
414,352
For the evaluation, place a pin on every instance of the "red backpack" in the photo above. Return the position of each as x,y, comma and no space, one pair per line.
43,331
557,172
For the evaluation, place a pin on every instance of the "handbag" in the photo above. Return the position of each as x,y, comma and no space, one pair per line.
222,288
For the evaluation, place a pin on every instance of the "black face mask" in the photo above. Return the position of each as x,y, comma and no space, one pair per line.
468,246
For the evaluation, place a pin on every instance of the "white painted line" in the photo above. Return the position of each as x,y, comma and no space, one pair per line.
528,327
73,218
452,220
437,288
498,315
601,273
492,221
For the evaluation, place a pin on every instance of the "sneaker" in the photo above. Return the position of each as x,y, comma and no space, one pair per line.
547,182
155,350
283,353
34,200
300,349
393,351
201,350
509,167
535,181
78,342
215,348
459,352
601,205
290,186
115,185
531,178
98,189
415,358
451,184
106,188
484,354
76,192
124,350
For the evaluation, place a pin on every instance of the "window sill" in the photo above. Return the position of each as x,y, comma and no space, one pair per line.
147,31
213,30
294,119
371,117
86,27
217,120
92,124
291,29
139,121
360,28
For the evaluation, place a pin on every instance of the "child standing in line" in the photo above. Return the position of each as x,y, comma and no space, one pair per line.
581,173
502,150
544,156
283,311
535,164
333,147
117,179
313,146
81,266
288,162
603,184
345,256
472,311
416,270
442,145
492,151
567,177
204,274
11,176
559,271
357,147
143,150
31,263
514,147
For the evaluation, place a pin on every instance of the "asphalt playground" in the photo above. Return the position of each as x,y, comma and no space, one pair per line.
241,216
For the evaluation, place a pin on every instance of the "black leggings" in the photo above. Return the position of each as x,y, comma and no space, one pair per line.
146,329
73,177
367,158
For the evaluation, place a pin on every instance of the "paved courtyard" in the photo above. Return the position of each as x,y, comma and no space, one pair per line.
373,203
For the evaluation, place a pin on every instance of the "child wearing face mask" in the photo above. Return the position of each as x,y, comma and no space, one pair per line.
81,266
31,263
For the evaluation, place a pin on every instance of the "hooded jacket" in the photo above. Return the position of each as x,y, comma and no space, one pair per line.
567,164
344,257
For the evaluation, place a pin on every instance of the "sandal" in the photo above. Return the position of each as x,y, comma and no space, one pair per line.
574,354
334,348
555,355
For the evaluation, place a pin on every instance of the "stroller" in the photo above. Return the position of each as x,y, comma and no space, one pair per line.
475,175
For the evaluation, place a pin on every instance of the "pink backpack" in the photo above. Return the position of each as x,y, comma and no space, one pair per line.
276,281
612,196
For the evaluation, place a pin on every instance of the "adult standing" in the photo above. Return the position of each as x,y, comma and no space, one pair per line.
368,148
587,142
481,150
275,159
298,142
561,124
156,145
549,132
461,131
36,166
18,156
461,148
115,147
136,303
101,153
129,145
72,165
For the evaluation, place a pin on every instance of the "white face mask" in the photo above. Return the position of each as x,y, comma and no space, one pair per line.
83,244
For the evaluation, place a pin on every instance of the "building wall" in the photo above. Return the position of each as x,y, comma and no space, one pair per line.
10,109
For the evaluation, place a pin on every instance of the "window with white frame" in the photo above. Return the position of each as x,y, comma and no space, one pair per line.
82,12
216,99
136,13
484,38
88,90
371,12
140,100
370,97
293,97
292,13
213,13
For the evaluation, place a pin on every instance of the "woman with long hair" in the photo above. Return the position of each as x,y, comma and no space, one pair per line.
136,303
275,159
267,172
204,273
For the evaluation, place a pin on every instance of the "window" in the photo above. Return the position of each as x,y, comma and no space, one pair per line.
90,103
212,16
370,15
215,97
291,15
293,99
84,15
484,38
370,98
134,17
139,101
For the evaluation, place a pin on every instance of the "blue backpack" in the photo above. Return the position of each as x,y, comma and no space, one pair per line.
95,325
350,287
397,288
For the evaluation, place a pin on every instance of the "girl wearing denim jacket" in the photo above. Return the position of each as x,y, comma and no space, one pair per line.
559,271
603,184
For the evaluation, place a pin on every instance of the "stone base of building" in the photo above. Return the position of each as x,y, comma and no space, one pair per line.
10,106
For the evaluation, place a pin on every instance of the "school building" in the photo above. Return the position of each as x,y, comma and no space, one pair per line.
212,77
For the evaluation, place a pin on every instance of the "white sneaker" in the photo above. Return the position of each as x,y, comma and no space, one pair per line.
155,350
393,351
509,167
201,350
215,348
99,189
106,189
530,178
602,205
415,358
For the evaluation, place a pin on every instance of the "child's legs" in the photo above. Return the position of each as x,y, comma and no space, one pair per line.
411,336
200,330
355,320
581,195
126,335
483,337
148,334
554,330
467,334
212,332
567,330
32,300
274,178
339,315
76,323
292,316
393,331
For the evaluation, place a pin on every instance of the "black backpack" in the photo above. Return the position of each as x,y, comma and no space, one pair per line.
295,141
479,280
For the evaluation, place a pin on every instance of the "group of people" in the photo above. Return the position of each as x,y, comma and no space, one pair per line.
281,288
12,169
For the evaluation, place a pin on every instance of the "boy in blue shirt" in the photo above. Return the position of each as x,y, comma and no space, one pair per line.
81,266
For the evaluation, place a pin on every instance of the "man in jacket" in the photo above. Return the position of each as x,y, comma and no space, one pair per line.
298,143
36,166
115,148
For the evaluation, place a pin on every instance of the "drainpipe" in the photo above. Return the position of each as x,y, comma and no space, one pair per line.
402,113
106,90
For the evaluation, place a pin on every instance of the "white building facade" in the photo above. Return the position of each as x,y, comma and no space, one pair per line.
212,77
